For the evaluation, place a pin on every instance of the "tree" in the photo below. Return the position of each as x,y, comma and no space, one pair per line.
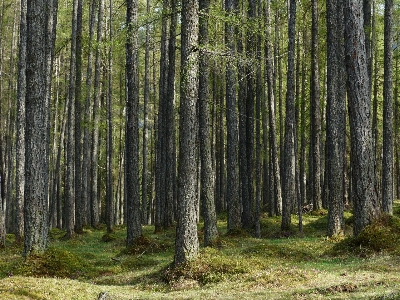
315,113
133,221
365,199
94,204
335,118
207,180
232,188
187,243
289,180
37,128
387,157
272,118
20,120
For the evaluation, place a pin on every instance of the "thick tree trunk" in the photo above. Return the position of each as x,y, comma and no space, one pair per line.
37,130
336,119
365,199
187,243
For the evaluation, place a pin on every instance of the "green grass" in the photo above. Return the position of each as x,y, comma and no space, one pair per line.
289,265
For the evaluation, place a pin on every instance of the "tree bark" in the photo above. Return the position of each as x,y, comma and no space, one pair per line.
387,161
133,221
187,243
366,205
232,187
207,172
289,186
315,113
336,119
37,129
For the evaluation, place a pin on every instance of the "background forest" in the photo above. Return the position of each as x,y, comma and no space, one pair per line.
169,113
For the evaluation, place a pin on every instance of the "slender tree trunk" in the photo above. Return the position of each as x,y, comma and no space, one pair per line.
109,188
20,137
78,130
366,205
289,186
276,172
146,97
134,227
207,172
232,187
96,119
387,162
315,113
87,138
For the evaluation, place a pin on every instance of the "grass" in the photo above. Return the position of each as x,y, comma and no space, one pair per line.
289,265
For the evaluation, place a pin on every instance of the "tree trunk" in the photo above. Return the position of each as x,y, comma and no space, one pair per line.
78,130
207,172
96,119
109,164
133,221
20,138
289,186
315,113
387,162
37,129
232,187
335,119
276,172
187,243
87,138
366,205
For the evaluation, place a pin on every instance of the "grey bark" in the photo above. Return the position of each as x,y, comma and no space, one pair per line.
133,214
87,138
276,172
366,205
289,186
146,98
315,113
387,161
37,129
94,206
232,187
187,243
20,137
207,172
336,119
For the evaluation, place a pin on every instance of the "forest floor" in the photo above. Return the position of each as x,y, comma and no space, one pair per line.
280,265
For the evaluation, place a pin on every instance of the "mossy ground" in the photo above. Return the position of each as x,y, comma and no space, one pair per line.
280,265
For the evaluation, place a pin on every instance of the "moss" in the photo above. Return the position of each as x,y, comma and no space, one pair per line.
144,244
209,267
382,235
53,263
